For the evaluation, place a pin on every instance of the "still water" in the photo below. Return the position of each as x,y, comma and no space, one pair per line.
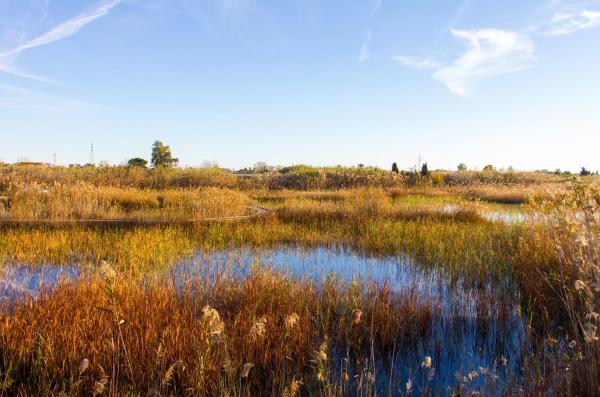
477,329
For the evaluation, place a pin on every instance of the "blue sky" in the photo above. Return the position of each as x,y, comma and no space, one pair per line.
511,83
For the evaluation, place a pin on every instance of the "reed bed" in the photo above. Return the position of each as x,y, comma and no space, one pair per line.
118,176
559,271
265,334
83,201
454,244
71,340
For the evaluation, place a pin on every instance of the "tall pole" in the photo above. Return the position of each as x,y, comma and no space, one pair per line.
92,153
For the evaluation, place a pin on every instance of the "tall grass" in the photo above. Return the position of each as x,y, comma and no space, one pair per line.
264,334
85,201
268,333
559,268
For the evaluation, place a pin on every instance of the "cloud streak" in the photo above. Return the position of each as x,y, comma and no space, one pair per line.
489,52
365,53
377,6
66,29
564,24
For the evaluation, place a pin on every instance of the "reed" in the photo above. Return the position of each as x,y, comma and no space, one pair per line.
133,330
127,335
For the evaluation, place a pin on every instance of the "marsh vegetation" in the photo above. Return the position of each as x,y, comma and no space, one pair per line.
354,282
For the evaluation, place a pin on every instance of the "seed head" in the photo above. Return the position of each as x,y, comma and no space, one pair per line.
212,320
356,315
259,328
246,369
427,362
589,333
291,321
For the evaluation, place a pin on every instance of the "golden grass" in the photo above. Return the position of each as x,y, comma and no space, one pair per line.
558,266
84,201
269,333
242,337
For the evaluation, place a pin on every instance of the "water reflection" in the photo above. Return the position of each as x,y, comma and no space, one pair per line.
477,327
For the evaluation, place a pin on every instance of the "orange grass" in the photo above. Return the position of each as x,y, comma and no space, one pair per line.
136,338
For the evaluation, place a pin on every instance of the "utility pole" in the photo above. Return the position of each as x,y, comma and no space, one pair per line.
54,160
92,153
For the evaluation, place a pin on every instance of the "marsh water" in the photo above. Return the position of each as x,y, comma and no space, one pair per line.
477,328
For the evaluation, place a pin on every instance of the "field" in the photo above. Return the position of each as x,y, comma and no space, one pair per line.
328,281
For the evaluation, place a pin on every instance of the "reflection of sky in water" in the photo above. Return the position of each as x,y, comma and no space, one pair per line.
21,280
460,338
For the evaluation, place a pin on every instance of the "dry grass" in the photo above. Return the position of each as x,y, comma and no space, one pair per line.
559,269
273,334
84,201
257,335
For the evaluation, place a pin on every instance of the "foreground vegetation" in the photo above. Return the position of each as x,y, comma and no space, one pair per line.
118,330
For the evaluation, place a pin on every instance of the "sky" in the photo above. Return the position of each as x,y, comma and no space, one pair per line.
322,82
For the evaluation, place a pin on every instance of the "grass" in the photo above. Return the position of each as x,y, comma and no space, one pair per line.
274,334
202,340
85,201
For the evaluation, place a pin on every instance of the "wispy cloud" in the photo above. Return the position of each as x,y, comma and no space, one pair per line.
365,52
418,62
563,24
489,52
17,98
65,29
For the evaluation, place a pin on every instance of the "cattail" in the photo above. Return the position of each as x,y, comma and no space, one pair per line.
246,369
83,366
356,316
291,321
258,329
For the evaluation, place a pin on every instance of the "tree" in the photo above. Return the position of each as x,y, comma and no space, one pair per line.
462,167
584,172
261,167
488,168
137,162
395,168
161,156
424,170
